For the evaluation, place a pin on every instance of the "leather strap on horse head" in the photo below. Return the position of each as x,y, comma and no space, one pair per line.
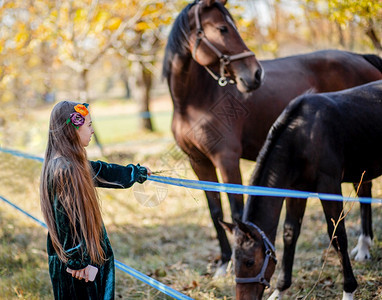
270,252
224,59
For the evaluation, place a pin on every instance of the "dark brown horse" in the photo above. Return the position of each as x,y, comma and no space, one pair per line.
318,142
216,123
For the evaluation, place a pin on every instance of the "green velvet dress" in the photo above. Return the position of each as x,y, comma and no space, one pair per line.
64,285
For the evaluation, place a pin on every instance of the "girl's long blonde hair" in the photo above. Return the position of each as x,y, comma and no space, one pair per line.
67,173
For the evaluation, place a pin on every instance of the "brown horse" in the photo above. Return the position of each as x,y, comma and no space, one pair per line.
217,123
318,142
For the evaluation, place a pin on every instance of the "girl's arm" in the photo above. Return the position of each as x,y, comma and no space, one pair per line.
116,176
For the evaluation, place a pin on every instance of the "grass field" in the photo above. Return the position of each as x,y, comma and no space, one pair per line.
174,242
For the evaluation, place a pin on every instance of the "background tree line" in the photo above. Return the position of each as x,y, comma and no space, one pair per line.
75,48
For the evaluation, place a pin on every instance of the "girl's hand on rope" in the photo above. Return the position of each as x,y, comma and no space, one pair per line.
148,171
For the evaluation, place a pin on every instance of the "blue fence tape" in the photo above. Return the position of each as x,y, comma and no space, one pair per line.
140,276
21,154
143,115
150,281
206,186
148,115
233,188
255,190
24,212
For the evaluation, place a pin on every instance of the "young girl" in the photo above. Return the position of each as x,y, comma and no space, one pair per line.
77,239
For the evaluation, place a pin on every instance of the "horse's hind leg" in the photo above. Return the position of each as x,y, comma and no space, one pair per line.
332,210
295,209
205,170
362,251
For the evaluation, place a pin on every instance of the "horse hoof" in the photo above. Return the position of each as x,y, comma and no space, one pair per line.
361,251
276,295
348,296
222,270
362,257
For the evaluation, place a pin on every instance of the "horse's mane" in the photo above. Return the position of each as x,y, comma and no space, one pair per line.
178,38
274,133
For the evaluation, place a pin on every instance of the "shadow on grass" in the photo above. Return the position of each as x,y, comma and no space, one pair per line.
174,243
23,260
175,256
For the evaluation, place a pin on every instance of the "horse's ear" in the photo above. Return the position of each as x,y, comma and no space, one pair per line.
227,226
208,3
243,227
249,232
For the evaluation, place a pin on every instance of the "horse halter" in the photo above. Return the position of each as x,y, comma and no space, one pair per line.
225,60
269,253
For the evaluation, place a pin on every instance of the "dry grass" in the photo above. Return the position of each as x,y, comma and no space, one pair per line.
174,242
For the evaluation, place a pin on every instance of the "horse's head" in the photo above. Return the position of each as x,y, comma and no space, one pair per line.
254,260
216,44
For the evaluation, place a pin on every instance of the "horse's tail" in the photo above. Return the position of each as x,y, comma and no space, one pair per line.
375,60
274,133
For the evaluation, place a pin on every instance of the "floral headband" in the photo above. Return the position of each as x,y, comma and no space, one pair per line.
78,118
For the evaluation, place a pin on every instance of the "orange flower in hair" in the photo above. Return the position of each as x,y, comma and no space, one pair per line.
77,118
80,108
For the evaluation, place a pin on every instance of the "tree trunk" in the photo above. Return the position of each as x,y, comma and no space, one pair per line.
83,85
47,62
372,34
84,97
352,38
125,81
141,93
341,38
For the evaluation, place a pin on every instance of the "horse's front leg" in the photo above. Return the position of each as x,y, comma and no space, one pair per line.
206,171
362,251
295,209
229,166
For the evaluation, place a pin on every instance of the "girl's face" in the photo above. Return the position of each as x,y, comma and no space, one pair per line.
86,131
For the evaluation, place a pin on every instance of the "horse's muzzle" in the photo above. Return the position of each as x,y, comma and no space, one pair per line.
251,83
